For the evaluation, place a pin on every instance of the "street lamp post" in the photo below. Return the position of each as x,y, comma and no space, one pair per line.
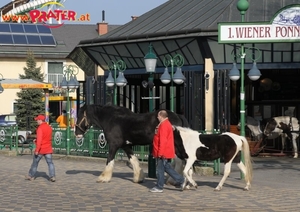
242,6
1,88
114,81
234,73
150,64
178,77
69,81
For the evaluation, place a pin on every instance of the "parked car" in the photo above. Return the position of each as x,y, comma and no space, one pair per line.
10,119
7,119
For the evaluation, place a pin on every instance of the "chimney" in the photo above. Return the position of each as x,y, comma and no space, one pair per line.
103,26
134,17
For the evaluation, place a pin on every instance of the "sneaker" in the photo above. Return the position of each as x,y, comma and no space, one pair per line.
29,178
182,185
52,179
156,190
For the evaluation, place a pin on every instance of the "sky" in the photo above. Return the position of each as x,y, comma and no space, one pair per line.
117,12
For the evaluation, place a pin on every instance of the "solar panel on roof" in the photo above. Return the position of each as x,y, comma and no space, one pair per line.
26,34
30,28
4,27
17,28
19,39
47,40
6,39
43,29
34,39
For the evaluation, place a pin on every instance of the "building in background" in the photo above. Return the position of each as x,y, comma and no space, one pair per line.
50,47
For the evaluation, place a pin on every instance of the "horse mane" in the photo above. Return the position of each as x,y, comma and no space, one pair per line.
184,129
184,121
117,110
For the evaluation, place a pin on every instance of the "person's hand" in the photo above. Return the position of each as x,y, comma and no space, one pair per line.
36,153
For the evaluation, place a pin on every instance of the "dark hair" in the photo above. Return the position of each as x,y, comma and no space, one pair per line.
64,111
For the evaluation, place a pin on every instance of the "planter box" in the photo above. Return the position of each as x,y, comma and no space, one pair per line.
234,129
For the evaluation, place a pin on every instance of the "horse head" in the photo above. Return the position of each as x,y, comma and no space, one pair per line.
82,123
270,127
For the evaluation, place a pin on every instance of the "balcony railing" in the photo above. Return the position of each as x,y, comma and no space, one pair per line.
55,79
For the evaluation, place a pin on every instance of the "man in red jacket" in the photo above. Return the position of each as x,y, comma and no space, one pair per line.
43,148
164,151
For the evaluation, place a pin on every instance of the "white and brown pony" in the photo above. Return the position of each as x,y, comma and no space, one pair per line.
284,125
208,147
257,128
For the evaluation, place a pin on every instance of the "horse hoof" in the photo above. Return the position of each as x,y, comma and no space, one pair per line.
217,189
102,181
246,189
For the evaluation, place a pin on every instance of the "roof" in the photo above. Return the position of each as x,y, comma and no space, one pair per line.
67,37
174,27
6,8
195,17
23,83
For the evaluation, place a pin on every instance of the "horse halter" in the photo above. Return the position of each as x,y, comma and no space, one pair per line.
86,123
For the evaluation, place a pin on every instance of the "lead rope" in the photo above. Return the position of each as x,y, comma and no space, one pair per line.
86,123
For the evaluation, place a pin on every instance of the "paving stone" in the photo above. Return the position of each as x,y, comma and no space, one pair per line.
275,187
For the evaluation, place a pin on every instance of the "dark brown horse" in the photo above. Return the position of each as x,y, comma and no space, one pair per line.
122,129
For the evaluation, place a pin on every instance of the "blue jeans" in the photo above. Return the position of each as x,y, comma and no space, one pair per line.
164,165
35,163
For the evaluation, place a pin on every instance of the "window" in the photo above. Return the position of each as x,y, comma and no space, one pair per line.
55,73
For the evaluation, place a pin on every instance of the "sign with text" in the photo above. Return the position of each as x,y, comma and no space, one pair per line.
285,27
44,13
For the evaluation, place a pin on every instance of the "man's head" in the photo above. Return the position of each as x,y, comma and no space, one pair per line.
40,119
64,112
162,115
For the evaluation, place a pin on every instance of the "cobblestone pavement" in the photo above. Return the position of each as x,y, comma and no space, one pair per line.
275,187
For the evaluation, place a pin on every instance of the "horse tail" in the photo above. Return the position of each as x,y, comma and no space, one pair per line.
247,159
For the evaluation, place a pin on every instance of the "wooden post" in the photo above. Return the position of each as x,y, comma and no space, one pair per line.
209,96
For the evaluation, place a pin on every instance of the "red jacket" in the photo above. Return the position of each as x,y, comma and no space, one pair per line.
44,139
163,141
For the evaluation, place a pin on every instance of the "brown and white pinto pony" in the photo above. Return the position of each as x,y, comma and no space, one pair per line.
257,128
284,125
207,147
